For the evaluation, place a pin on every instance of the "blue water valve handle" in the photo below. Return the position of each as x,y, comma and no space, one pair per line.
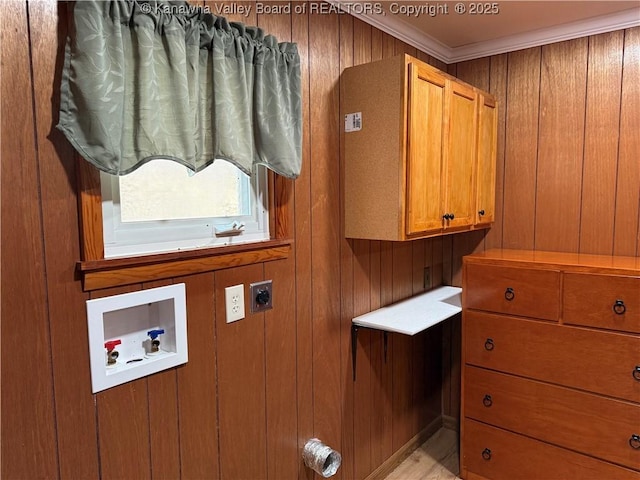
154,333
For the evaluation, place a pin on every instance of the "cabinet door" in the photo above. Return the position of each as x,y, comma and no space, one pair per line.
486,169
460,156
424,150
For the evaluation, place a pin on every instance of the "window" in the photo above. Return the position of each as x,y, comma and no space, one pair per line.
164,207
98,271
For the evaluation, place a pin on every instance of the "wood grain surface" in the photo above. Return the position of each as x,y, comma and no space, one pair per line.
29,440
521,148
296,365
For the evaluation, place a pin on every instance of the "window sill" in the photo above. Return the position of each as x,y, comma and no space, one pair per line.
97,274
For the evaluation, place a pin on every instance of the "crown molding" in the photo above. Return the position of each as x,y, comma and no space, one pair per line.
568,31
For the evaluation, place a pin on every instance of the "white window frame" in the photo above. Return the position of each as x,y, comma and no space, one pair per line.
125,239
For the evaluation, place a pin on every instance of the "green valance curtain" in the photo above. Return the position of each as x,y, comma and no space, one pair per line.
145,80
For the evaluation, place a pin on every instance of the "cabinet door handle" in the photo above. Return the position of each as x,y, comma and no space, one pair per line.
488,344
509,294
634,441
481,212
446,216
487,401
486,454
619,307
451,216
636,373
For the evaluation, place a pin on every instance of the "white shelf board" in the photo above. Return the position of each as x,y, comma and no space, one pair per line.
415,314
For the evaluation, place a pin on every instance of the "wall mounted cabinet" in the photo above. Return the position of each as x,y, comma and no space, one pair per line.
486,160
420,151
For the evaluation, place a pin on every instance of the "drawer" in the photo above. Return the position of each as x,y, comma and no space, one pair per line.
497,454
584,422
592,360
603,301
515,291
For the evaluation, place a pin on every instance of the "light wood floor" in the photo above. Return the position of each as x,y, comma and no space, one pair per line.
436,459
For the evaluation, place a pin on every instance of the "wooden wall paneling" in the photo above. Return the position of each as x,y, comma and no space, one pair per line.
428,261
280,326
442,267
385,375
437,277
380,400
560,145
521,148
379,406
123,421
627,210
447,376
425,57
280,323
346,282
424,359
386,273
604,79
164,434
464,244
77,449
302,230
29,447
364,367
498,87
402,390
427,376
280,345
388,46
377,44
240,356
403,47
324,71
455,369
420,357
476,72
362,304
447,260
197,392
419,262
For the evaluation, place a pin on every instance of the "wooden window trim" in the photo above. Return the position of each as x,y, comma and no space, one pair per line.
98,272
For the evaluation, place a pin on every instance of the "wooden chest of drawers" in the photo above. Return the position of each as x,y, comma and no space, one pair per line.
551,366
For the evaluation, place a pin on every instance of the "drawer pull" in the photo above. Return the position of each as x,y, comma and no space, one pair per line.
634,441
509,294
619,307
487,401
636,373
486,454
488,344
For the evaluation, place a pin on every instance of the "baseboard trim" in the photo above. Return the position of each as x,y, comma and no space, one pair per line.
407,449
451,423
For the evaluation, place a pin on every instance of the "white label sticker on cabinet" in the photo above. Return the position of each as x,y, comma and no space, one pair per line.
353,122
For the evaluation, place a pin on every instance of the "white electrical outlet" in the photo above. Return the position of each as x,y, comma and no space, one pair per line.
234,302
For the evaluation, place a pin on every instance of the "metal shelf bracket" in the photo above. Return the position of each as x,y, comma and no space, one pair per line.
354,344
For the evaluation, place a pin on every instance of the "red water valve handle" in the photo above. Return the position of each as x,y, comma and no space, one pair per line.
111,344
